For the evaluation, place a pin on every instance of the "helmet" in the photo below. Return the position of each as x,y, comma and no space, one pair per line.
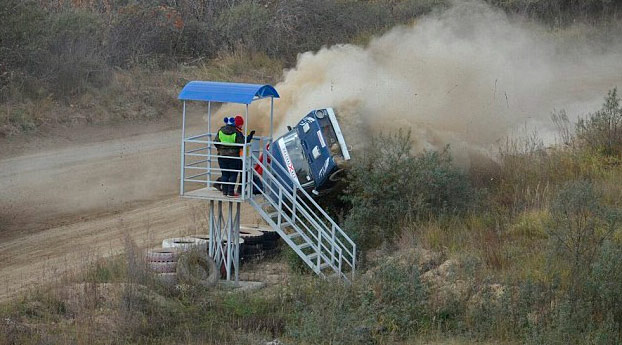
230,121
239,121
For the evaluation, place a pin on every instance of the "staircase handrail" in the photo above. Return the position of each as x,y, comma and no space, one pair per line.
325,229
291,221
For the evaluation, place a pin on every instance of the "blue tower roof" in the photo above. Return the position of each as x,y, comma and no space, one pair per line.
226,92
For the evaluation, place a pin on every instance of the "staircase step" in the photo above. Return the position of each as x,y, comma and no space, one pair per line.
273,214
294,235
298,228
312,256
265,204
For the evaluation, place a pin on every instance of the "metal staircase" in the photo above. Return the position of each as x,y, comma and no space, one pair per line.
300,221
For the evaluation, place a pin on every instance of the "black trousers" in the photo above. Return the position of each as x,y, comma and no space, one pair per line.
228,176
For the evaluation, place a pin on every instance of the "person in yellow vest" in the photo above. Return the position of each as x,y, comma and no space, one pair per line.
230,167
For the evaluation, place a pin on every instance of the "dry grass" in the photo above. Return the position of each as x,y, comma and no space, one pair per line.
136,94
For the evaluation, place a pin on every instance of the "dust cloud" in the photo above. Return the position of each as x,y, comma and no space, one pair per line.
468,77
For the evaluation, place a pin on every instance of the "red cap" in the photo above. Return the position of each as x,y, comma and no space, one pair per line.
239,121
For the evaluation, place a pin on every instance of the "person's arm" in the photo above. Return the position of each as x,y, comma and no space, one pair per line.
249,138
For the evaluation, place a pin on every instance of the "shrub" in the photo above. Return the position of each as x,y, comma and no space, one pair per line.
144,35
604,286
246,25
530,173
390,186
76,59
22,46
399,298
408,9
199,40
580,224
49,53
602,131
300,26
560,12
391,301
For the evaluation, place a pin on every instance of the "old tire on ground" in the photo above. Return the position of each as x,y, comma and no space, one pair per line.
168,279
197,270
268,233
163,267
185,244
251,236
162,255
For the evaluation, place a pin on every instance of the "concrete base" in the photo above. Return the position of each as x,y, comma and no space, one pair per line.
241,286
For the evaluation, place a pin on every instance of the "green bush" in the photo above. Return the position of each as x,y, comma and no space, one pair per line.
561,12
389,186
246,25
199,40
604,287
409,9
23,35
390,302
580,223
602,131
76,58
145,35
49,53
300,26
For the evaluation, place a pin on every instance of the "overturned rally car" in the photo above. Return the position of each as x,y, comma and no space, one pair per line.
314,152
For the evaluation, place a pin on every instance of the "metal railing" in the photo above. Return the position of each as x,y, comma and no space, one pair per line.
201,170
296,210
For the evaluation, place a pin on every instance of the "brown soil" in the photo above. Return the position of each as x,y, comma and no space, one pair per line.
67,200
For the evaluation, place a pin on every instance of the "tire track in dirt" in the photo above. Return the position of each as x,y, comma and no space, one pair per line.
50,254
62,208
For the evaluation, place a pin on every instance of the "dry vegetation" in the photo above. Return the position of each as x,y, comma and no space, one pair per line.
525,249
85,61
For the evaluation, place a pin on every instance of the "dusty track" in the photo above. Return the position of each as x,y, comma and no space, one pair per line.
63,207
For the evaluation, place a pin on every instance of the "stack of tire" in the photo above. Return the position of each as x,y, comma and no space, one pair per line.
266,242
163,262
253,244
171,264
183,260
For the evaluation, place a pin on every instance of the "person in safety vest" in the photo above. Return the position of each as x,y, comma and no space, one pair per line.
228,136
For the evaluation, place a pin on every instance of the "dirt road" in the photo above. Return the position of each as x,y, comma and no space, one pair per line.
63,207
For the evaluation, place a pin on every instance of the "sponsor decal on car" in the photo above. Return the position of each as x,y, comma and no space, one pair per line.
324,169
288,160
321,137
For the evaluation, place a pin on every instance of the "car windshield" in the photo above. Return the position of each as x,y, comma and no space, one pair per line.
297,156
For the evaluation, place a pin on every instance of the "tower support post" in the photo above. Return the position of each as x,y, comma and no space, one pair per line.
224,240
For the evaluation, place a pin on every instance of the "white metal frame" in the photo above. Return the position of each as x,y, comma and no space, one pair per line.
298,219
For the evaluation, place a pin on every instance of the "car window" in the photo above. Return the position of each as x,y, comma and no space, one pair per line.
327,131
297,156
